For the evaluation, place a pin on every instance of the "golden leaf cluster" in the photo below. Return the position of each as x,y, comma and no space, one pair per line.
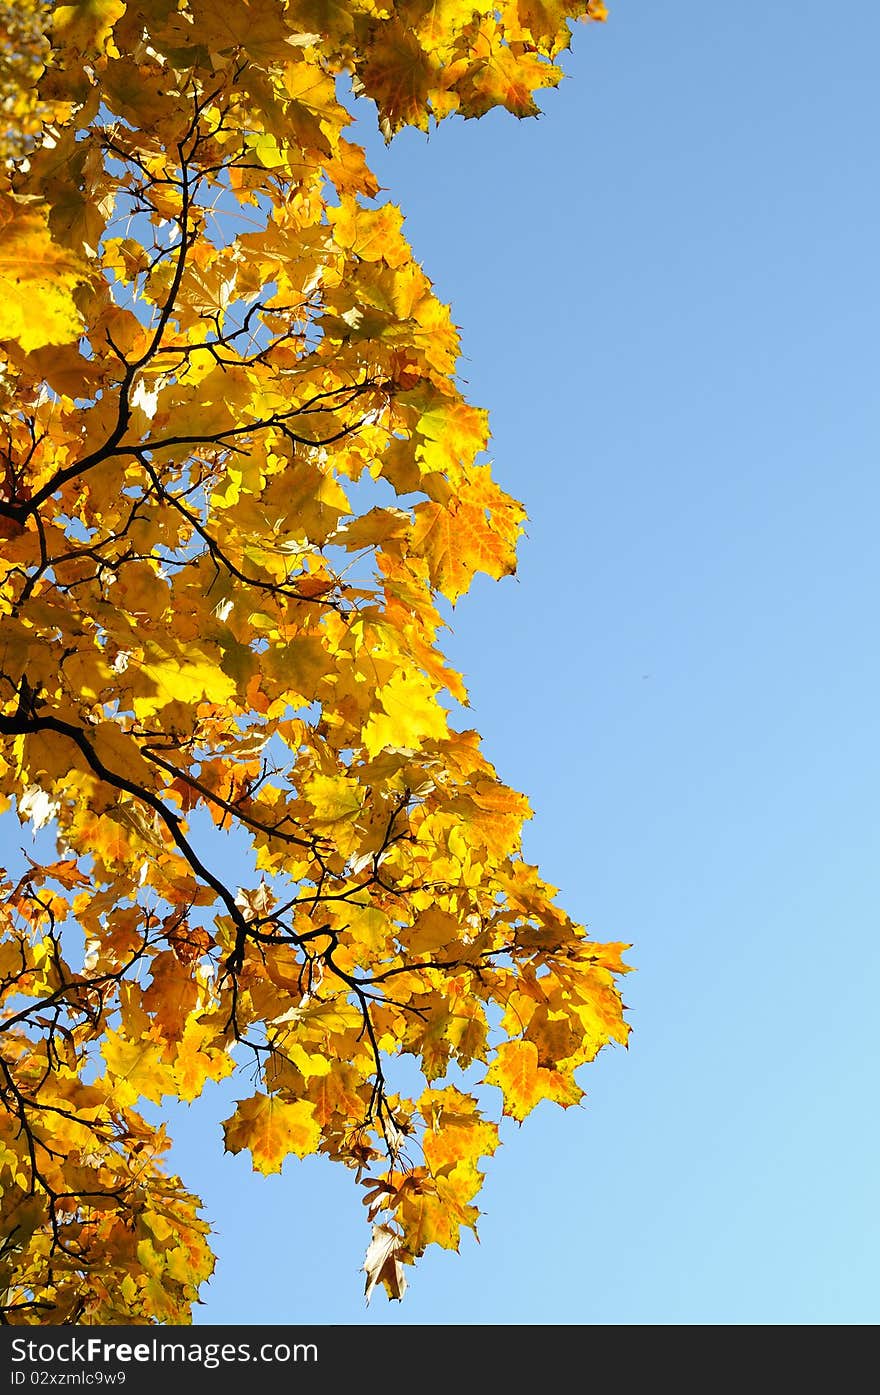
237,475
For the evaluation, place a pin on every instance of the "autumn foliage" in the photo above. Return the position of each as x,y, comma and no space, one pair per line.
236,475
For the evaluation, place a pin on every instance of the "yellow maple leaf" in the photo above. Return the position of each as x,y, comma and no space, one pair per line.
450,432
434,929
456,1132
401,77
340,1094
524,1083
37,278
272,1129
457,541
371,233
410,713
136,1069
183,680
171,994
333,797
101,837
434,1210
467,1031
86,25
498,76
547,21
197,1060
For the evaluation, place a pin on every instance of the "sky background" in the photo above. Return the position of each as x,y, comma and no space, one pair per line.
667,288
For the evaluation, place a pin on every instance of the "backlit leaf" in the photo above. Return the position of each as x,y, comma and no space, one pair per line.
37,278
271,1129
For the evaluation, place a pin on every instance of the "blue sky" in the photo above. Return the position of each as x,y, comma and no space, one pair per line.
667,289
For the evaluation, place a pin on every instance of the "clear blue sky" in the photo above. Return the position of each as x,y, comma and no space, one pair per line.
668,293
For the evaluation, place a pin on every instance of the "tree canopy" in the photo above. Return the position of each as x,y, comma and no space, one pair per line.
237,476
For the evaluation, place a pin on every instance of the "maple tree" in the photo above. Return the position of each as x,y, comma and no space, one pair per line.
236,475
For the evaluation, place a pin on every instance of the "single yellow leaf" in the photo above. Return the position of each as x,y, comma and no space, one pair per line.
187,680
272,1129
433,930
136,1069
37,278
86,25
411,713
333,797
524,1083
